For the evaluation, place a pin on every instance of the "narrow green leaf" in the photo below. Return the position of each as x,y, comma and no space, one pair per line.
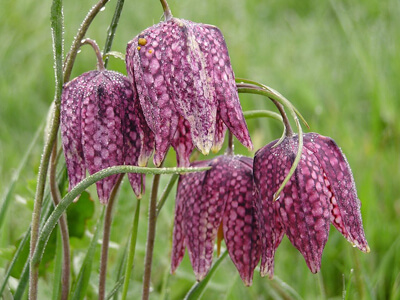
112,29
57,29
198,288
116,288
82,281
57,268
6,199
132,249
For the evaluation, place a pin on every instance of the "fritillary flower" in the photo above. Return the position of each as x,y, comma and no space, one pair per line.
321,191
217,202
182,70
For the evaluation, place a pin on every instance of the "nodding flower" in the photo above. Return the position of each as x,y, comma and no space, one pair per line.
321,191
102,126
186,86
217,202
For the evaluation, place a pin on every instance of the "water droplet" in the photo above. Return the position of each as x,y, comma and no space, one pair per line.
79,51
103,8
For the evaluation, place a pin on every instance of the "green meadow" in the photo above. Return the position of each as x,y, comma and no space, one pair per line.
337,61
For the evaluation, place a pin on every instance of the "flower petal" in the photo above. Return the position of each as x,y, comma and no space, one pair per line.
239,221
102,137
71,132
268,175
143,61
345,205
182,143
229,106
189,191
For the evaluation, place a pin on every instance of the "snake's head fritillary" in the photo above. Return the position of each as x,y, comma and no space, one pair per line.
102,126
321,191
182,69
206,202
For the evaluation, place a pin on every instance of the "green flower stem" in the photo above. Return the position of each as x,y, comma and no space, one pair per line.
276,97
106,239
84,184
272,94
166,192
151,233
132,250
100,62
252,114
112,29
71,56
229,149
57,35
167,11
55,193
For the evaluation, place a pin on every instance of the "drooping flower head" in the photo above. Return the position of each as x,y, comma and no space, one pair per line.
182,69
221,196
102,126
321,191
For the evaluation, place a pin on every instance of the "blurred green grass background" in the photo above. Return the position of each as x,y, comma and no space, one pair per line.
337,61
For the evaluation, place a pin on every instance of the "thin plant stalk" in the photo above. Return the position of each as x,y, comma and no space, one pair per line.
55,193
166,192
151,232
167,11
131,252
229,149
57,34
112,29
84,184
106,239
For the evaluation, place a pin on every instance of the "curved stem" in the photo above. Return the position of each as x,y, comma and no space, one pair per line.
229,149
100,62
255,88
106,239
84,184
151,232
132,250
167,11
71,56
57,33
55,193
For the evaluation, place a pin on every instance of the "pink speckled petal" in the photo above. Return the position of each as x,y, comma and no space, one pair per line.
220,130
268,176
132,137
156,102
189,191
239,222
71,102
345,205
182,143
102,137
229,106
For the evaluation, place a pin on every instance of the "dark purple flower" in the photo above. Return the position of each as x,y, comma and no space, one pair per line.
221,196
102,126
321,191
182,69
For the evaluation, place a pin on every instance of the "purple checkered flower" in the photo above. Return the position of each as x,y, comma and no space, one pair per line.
182,69
102,126
207,201
321,191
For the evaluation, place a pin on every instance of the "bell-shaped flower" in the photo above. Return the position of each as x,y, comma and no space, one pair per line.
321,191
182,69
215,202
102,126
